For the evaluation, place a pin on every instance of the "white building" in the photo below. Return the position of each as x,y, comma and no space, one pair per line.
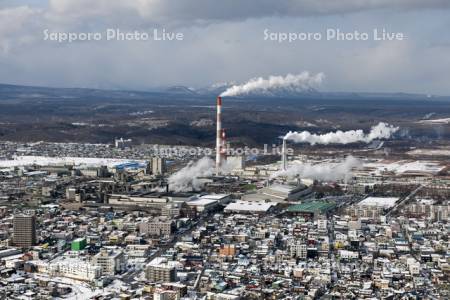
161,270
138,251
75,269
298,249
322,224
345,254
203,205
413,266
111,260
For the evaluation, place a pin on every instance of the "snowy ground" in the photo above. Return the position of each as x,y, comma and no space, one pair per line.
82,290
430,152
436,121
404,166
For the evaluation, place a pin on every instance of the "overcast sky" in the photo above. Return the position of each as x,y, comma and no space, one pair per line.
224,42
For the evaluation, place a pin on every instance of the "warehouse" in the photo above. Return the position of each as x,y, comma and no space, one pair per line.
311,210
249,207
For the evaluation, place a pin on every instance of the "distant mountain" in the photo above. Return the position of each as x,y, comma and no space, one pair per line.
180,90
8,91
378,95
219,88
180,115
215,89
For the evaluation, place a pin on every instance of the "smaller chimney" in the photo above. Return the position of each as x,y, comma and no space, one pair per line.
284,156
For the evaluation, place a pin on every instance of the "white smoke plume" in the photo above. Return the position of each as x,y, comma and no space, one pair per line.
322,171
380,131
188,178
292,83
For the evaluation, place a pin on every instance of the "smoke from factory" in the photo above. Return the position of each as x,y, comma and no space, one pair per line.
290,83
380,131
322,171
190,177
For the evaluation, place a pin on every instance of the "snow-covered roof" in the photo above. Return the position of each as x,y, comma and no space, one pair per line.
249,206
202,202
379,201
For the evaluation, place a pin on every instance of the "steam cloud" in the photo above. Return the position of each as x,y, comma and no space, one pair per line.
189,177
322,171
380,131
292,83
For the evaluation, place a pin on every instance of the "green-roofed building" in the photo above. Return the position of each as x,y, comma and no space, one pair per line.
311,209
78,244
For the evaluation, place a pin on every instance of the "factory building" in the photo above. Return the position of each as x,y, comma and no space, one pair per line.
158,165
210,202
142,201
311,210
279,193
248,207
203,205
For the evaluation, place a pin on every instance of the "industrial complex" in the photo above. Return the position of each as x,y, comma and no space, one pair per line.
123,221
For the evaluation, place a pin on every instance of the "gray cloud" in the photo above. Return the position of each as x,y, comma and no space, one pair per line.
204,10
224,42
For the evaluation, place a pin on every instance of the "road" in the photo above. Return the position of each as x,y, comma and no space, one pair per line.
407,198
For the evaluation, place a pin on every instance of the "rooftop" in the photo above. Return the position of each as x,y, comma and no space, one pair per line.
250,206
379,201
312,207
201,201
214,196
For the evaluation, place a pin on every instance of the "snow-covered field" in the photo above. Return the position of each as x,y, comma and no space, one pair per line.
435,121
430,152
406,166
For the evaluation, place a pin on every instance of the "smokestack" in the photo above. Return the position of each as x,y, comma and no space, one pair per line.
284,156
219,136
223,150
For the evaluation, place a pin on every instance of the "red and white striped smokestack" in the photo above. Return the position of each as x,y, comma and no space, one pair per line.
219,136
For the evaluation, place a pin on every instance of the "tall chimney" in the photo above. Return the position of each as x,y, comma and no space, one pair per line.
223,150
219,136
283,156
